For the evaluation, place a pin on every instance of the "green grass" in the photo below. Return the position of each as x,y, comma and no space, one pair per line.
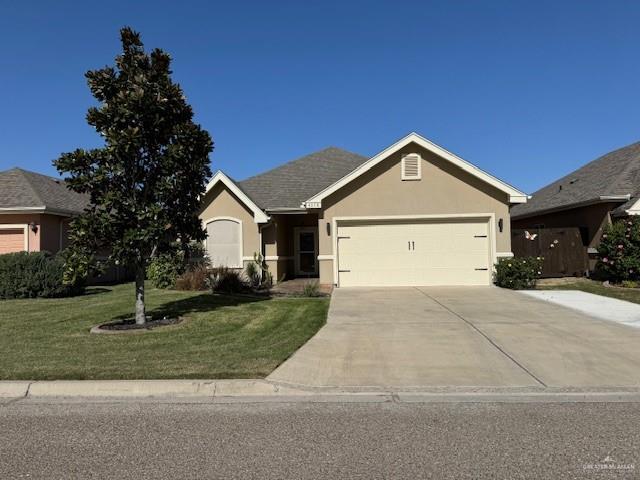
590,286
223,336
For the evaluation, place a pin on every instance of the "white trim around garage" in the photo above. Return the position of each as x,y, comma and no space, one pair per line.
515,196
258,215
490,218
18,226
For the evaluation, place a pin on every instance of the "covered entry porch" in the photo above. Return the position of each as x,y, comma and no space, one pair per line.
290,245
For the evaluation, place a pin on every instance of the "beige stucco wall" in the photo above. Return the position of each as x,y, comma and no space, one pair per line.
50,226
270,242
269,239
443,189
278,241
220,202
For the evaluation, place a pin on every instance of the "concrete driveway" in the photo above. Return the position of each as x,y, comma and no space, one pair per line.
461,336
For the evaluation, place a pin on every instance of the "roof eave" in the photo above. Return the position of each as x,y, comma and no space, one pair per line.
286,210
634,209
40,210
259,216
571,206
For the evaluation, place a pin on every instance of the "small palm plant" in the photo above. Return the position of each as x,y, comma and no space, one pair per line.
258,272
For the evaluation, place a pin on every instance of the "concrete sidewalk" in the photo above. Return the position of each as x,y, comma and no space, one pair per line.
605,308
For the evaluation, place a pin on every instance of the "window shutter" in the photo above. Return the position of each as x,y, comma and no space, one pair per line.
411,166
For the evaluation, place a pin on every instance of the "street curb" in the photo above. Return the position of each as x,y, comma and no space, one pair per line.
145,388
151,388
11,389
121,388
505,397
257,391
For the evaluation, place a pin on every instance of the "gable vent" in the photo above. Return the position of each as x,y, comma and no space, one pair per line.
411,167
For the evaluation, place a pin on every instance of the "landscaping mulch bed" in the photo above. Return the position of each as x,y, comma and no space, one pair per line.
130,325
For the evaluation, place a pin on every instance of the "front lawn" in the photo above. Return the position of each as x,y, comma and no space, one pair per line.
590,286
223,336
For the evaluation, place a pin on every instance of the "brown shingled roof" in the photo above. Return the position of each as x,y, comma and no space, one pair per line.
22,189
288,185
615,174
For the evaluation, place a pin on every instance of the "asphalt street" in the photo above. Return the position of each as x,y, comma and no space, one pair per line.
140,440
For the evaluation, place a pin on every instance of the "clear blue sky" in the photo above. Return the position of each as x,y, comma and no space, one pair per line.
525,90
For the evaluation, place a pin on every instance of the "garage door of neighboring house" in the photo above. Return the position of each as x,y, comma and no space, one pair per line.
11,240
414,253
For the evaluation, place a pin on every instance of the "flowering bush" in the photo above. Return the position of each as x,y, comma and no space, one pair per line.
619,250
518,273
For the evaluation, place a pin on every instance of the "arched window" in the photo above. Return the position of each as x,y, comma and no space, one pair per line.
224,242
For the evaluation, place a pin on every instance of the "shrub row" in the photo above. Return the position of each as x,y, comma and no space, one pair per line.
35,274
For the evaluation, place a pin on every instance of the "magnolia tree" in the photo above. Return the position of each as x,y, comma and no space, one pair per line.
145,182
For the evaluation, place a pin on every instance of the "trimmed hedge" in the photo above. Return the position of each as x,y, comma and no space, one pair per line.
34,274
518,273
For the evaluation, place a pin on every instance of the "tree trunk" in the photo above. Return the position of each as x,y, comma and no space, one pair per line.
141,317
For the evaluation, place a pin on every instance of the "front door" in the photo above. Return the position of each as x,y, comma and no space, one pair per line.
306,251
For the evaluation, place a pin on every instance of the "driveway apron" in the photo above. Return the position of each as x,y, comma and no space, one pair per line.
397,337
461,337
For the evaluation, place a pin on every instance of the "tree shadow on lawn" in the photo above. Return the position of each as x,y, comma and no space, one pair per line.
205,302
94,291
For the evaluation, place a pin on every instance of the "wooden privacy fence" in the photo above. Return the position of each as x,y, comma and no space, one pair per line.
564,252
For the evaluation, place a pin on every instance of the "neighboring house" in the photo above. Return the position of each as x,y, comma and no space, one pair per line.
414,214
35,211
587,199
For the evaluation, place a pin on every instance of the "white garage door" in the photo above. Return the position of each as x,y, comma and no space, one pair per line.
443,252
